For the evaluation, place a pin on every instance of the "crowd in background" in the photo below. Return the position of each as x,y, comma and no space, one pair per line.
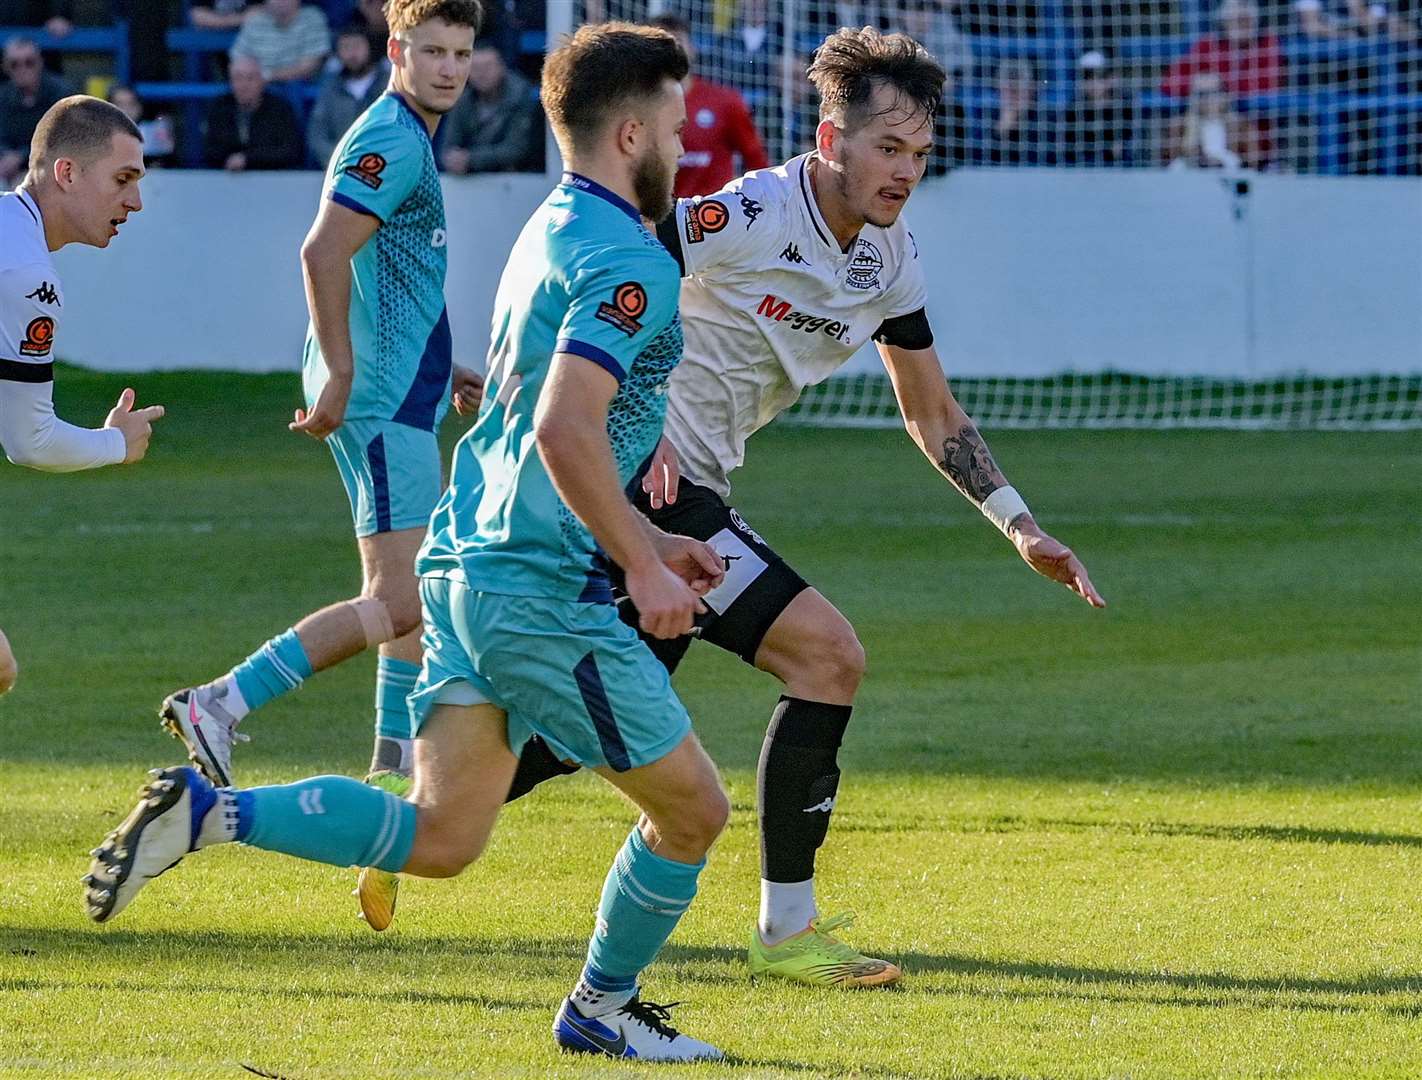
1317,85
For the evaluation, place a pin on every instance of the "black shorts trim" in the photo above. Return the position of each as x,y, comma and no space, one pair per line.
758,600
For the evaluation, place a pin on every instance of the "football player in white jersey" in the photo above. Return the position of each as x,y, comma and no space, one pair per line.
86,159
787,272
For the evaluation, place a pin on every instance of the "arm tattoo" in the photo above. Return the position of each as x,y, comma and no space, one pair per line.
968,465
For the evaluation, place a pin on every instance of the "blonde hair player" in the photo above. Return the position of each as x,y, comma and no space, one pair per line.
378,377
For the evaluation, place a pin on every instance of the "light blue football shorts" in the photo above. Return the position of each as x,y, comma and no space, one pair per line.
573,673
391,472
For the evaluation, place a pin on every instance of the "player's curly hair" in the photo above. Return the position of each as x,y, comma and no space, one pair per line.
405,15
850,64
599,70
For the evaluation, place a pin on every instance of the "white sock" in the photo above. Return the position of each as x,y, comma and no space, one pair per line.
592,1002
785,910
219,824
227,689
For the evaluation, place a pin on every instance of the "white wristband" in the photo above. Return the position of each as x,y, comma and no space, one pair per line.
1002,506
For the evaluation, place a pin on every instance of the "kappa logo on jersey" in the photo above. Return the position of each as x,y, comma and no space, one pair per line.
866,266
791,254
751,209
39,337
367,170
706,217
45,294
772,307
629,303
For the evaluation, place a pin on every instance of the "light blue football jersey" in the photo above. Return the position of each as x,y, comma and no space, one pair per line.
585,277
385,167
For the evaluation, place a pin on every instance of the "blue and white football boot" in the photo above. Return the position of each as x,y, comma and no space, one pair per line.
159,831
639,1029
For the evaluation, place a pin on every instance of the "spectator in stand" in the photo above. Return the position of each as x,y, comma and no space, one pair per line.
288,38
719,141
1099,124
1017,134
345,93
222,14
369,17
496,125
930,23
56,16
1211,135
747,55
250,127
157,134
1247,60
1332,20
23,100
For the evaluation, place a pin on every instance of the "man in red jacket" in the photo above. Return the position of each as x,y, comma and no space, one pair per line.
718,128
1248,61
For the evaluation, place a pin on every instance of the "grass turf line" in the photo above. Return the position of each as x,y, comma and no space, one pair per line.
1178,838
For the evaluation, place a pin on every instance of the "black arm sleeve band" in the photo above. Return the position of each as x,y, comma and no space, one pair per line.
670,236
18,371
909,331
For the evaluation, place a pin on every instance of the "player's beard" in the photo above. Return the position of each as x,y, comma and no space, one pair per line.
652,184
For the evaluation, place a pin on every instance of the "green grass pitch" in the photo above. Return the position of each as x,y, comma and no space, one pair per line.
1178,838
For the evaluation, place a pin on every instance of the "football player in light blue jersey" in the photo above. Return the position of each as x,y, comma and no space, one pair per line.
377,375
521,637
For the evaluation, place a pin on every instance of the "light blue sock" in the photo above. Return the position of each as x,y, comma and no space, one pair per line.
643,898
394,679
277,668
329,819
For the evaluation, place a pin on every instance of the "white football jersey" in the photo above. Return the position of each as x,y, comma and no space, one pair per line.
31,298
770,305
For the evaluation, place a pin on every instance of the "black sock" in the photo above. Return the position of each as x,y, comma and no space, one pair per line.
796,784
535,765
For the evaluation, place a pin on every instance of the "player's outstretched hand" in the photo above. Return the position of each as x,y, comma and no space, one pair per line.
666,604
694,561
136,425
466,390
1053,559
663,475
328,412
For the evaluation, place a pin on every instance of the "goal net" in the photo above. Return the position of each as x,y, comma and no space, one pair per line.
1324,90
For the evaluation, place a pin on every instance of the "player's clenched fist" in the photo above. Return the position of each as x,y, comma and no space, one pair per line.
665,603
136,425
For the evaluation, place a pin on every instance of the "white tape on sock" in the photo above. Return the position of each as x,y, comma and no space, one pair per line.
374,619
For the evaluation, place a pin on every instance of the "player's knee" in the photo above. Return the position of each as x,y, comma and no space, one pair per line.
834,659
695,826
443,846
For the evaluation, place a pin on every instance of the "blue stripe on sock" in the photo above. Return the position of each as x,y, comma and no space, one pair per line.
380,479
614,750
598,981
329,819
277,668
632,926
